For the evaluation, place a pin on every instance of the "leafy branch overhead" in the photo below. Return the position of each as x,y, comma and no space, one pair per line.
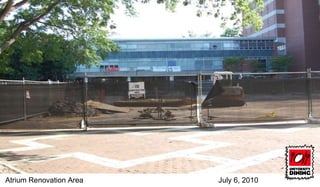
242,13
80,20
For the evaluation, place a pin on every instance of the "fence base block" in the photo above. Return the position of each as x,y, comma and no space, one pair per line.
204,124
83,125
313,120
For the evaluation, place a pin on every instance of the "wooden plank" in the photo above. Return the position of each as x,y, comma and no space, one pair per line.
107,107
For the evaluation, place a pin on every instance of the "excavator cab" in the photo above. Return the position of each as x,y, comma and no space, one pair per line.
224,95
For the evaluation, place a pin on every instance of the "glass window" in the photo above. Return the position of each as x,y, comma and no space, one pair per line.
123,46
252,44
208,64
269,44
131,46
244,44
102,68
261,44
230,45
216,45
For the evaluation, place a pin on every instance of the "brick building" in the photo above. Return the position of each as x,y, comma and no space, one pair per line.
296,26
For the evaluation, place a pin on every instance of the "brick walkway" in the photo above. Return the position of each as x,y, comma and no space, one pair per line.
157,150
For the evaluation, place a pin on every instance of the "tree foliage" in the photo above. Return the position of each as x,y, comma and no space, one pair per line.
85,21
258,66
281,62
243,13
231,32
39,57
234,64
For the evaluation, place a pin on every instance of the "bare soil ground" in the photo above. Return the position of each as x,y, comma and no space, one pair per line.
45,122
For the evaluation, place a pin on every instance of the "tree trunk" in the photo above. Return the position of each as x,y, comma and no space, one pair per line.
24,25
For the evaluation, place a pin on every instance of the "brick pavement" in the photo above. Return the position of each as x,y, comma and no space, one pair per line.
157,150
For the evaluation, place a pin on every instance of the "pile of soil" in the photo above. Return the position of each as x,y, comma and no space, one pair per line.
70,108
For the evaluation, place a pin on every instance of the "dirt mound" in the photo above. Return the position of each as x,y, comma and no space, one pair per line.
70,108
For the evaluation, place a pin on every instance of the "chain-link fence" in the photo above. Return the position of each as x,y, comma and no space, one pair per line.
40,104
142,101
255,97
204,99
314,101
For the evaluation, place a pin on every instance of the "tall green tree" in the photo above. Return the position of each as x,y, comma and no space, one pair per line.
40,56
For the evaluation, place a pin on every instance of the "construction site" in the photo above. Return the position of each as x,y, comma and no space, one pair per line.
106,102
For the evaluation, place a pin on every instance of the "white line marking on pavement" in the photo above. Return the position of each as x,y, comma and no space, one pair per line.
227,165
153,131
216,159
129,163
206,146
243,163
31,144
18,171
176,154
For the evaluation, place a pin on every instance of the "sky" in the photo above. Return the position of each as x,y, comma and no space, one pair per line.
154,21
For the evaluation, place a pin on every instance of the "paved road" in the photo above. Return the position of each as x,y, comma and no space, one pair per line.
157,150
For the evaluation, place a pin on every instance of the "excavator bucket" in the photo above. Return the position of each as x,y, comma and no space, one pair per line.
224,96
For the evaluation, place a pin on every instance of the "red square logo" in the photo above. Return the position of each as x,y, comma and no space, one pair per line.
299,162
299,157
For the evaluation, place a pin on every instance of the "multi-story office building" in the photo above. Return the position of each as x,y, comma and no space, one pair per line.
296,26
174,57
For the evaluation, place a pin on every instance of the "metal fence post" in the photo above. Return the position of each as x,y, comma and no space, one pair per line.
24,99
49,93
311,119
199,95
84,121
309,92
202,123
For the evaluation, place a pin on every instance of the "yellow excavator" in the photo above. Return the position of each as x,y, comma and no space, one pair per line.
224,95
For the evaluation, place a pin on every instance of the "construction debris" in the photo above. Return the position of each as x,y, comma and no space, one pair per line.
161,114
70,108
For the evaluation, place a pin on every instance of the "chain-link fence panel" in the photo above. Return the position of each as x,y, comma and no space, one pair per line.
11,101
255,98
147,101
142,101
40,97
40,104
314,96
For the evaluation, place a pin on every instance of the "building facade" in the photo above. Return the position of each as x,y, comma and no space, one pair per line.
296,26
151,57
